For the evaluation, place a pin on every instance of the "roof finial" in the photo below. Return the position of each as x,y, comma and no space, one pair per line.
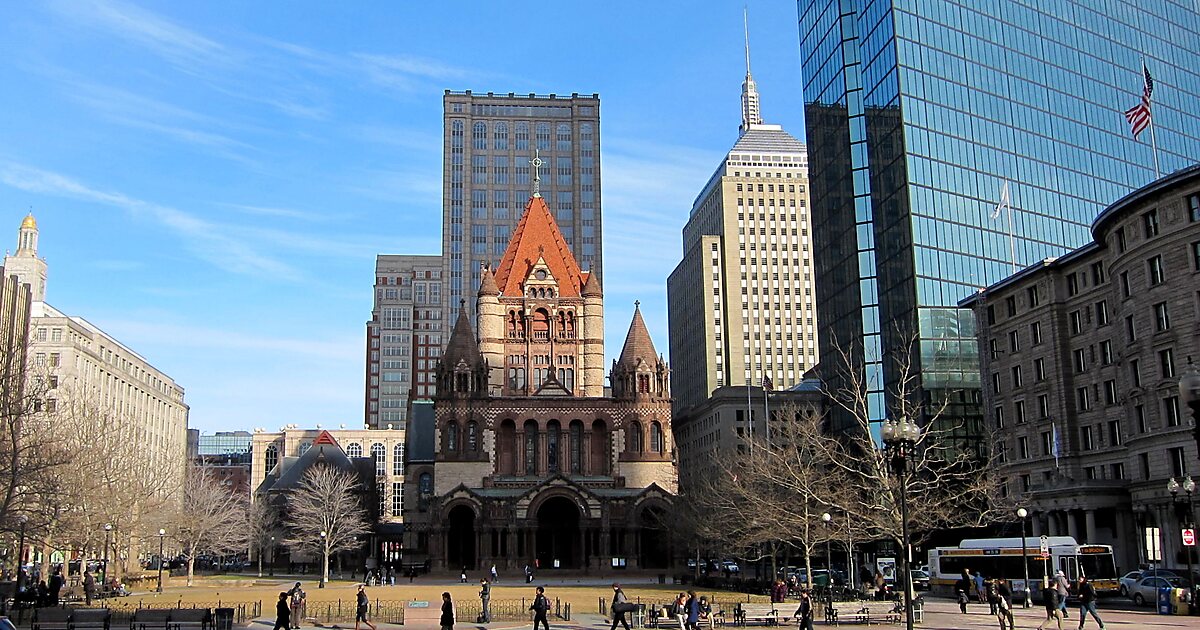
637,305
746,29
750,111
537,163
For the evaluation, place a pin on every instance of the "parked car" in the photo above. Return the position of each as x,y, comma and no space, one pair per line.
920,580
1145,590
1128,580
730,566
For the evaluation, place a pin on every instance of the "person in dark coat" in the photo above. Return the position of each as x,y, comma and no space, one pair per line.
539,607
1052,614
804,612
778,592
283,613
1004,604
962,591
56,585
362,607
89,587
619,607
693,611
447,619
1087,602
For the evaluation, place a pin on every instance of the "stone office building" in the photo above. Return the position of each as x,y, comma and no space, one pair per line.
1081,357
532,462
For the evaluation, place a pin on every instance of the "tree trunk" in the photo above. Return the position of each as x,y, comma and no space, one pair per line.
325,567
191,568
260,555
808,576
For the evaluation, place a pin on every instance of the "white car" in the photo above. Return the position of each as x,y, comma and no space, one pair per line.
1145,591
1129,579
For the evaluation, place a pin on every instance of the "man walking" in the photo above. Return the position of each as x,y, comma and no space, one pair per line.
362,608
283,613
1004,604
804,612
297,605
1063,587
540,606
1087,602
89,587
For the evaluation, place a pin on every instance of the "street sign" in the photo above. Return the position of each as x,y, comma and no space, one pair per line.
1189,537
1044,543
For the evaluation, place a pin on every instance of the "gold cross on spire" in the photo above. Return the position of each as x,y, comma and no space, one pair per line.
537,163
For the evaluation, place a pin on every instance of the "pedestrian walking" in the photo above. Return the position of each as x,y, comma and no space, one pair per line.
89,587
56,585
693,611
283,613
485,597
804,612
1087,602
495,576
362,608
462,576
540,606
1004,604
992,597
1051,601
298,602
1063,587
962,591
620,606
447,618
679,610
980,588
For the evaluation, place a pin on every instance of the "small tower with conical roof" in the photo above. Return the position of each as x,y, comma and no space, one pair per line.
25,264
462,372
640,373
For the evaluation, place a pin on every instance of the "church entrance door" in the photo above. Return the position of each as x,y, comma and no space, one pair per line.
460,538
558,534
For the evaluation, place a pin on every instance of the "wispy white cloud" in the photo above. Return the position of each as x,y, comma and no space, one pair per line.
191,336
205,240
174,43
283,213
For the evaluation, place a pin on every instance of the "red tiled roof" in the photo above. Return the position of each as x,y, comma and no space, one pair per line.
537,236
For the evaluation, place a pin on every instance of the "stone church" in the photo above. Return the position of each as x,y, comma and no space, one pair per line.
533,461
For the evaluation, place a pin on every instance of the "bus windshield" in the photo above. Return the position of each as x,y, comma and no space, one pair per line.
1098,565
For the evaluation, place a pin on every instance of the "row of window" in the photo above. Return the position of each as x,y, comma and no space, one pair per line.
770,188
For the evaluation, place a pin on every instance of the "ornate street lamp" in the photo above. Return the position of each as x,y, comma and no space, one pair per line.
899,438
162,535
271,568
325,563
1189,487
1023,514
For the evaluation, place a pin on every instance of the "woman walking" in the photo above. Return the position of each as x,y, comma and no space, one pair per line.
283,613
447,620
620,606
362,606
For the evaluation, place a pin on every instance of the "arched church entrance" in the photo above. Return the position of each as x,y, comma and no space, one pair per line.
558,534
654,539
460,538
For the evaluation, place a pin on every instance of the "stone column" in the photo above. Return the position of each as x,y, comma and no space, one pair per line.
1072,524
1089,520
1035,525
519,456
586,451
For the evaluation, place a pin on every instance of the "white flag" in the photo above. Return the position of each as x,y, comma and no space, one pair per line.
1003,205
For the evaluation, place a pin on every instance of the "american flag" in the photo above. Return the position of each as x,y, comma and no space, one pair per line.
767,384
1139,115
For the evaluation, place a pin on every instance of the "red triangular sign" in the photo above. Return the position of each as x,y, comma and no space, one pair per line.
325,438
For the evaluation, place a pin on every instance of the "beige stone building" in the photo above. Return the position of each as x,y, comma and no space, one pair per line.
742,308
81,359
405,337
1081,357
280,458
532,463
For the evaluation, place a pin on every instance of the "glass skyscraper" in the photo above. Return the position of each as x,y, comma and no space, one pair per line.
922,115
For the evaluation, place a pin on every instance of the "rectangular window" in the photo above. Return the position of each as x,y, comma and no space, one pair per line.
1035,331
1047,443
1073,284
1043,406
1193,202
1130,329
1023,447
1178,463
1171,410
1162,319
1014,341
1196,255
1016,376
1125,289
1117,471
1080,361
1019,411
1010,305
1114,433
996,383
1139,414
1166,363
1110,392
1135,372
994,348
1032,295
1106,352
1144,464
1076,319
397,498
1155,266
1097,274
1102,313
1083,398
1039,369
1150,223
998,414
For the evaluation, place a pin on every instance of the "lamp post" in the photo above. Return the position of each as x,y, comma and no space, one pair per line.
325,560
899,438
1023,514
23,520
271,566
1189,487
827,518
162,536
104,568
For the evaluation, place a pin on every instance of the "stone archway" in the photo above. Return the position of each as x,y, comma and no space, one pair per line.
654,538
460,538
558,534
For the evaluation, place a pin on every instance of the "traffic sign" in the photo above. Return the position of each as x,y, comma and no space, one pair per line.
1189,537
1044,542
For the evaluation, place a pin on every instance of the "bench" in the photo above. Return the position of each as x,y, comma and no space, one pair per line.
190,619
837,613
148,619
51,619
766,613
883,612
91,619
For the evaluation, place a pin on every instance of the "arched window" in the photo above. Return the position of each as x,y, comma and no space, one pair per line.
479,136
472,436
635,437
304,446
656,437
500,135
522,137
541,325
563,137
543,136
271,458
354,450
398,460
576,433
552,434
452,437
456,134
379,454
643,381
531,447
425,483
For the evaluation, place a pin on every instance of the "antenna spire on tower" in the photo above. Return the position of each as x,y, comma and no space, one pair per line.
750,111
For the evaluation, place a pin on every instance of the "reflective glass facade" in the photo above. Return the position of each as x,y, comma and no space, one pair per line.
919,111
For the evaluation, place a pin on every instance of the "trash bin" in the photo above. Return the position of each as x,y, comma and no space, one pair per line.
1179,603
1164,600
223,619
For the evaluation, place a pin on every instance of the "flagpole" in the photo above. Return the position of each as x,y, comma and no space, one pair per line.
1153,139
1012,243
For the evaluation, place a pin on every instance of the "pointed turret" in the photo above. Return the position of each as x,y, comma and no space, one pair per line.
640,372
591,286
750,111
487,284
490,325
463,370
638,346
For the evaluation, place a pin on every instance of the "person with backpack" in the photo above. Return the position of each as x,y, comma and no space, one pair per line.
362,607
1051,601
992,596
962,591
297,605
1087,602
540,606
620,607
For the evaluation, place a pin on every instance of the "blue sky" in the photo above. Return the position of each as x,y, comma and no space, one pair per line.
213,180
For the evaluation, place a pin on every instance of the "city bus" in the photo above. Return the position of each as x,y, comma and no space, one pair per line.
1001,557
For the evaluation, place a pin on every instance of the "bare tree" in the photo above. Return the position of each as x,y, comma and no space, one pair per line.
262,527
326,511
211,520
